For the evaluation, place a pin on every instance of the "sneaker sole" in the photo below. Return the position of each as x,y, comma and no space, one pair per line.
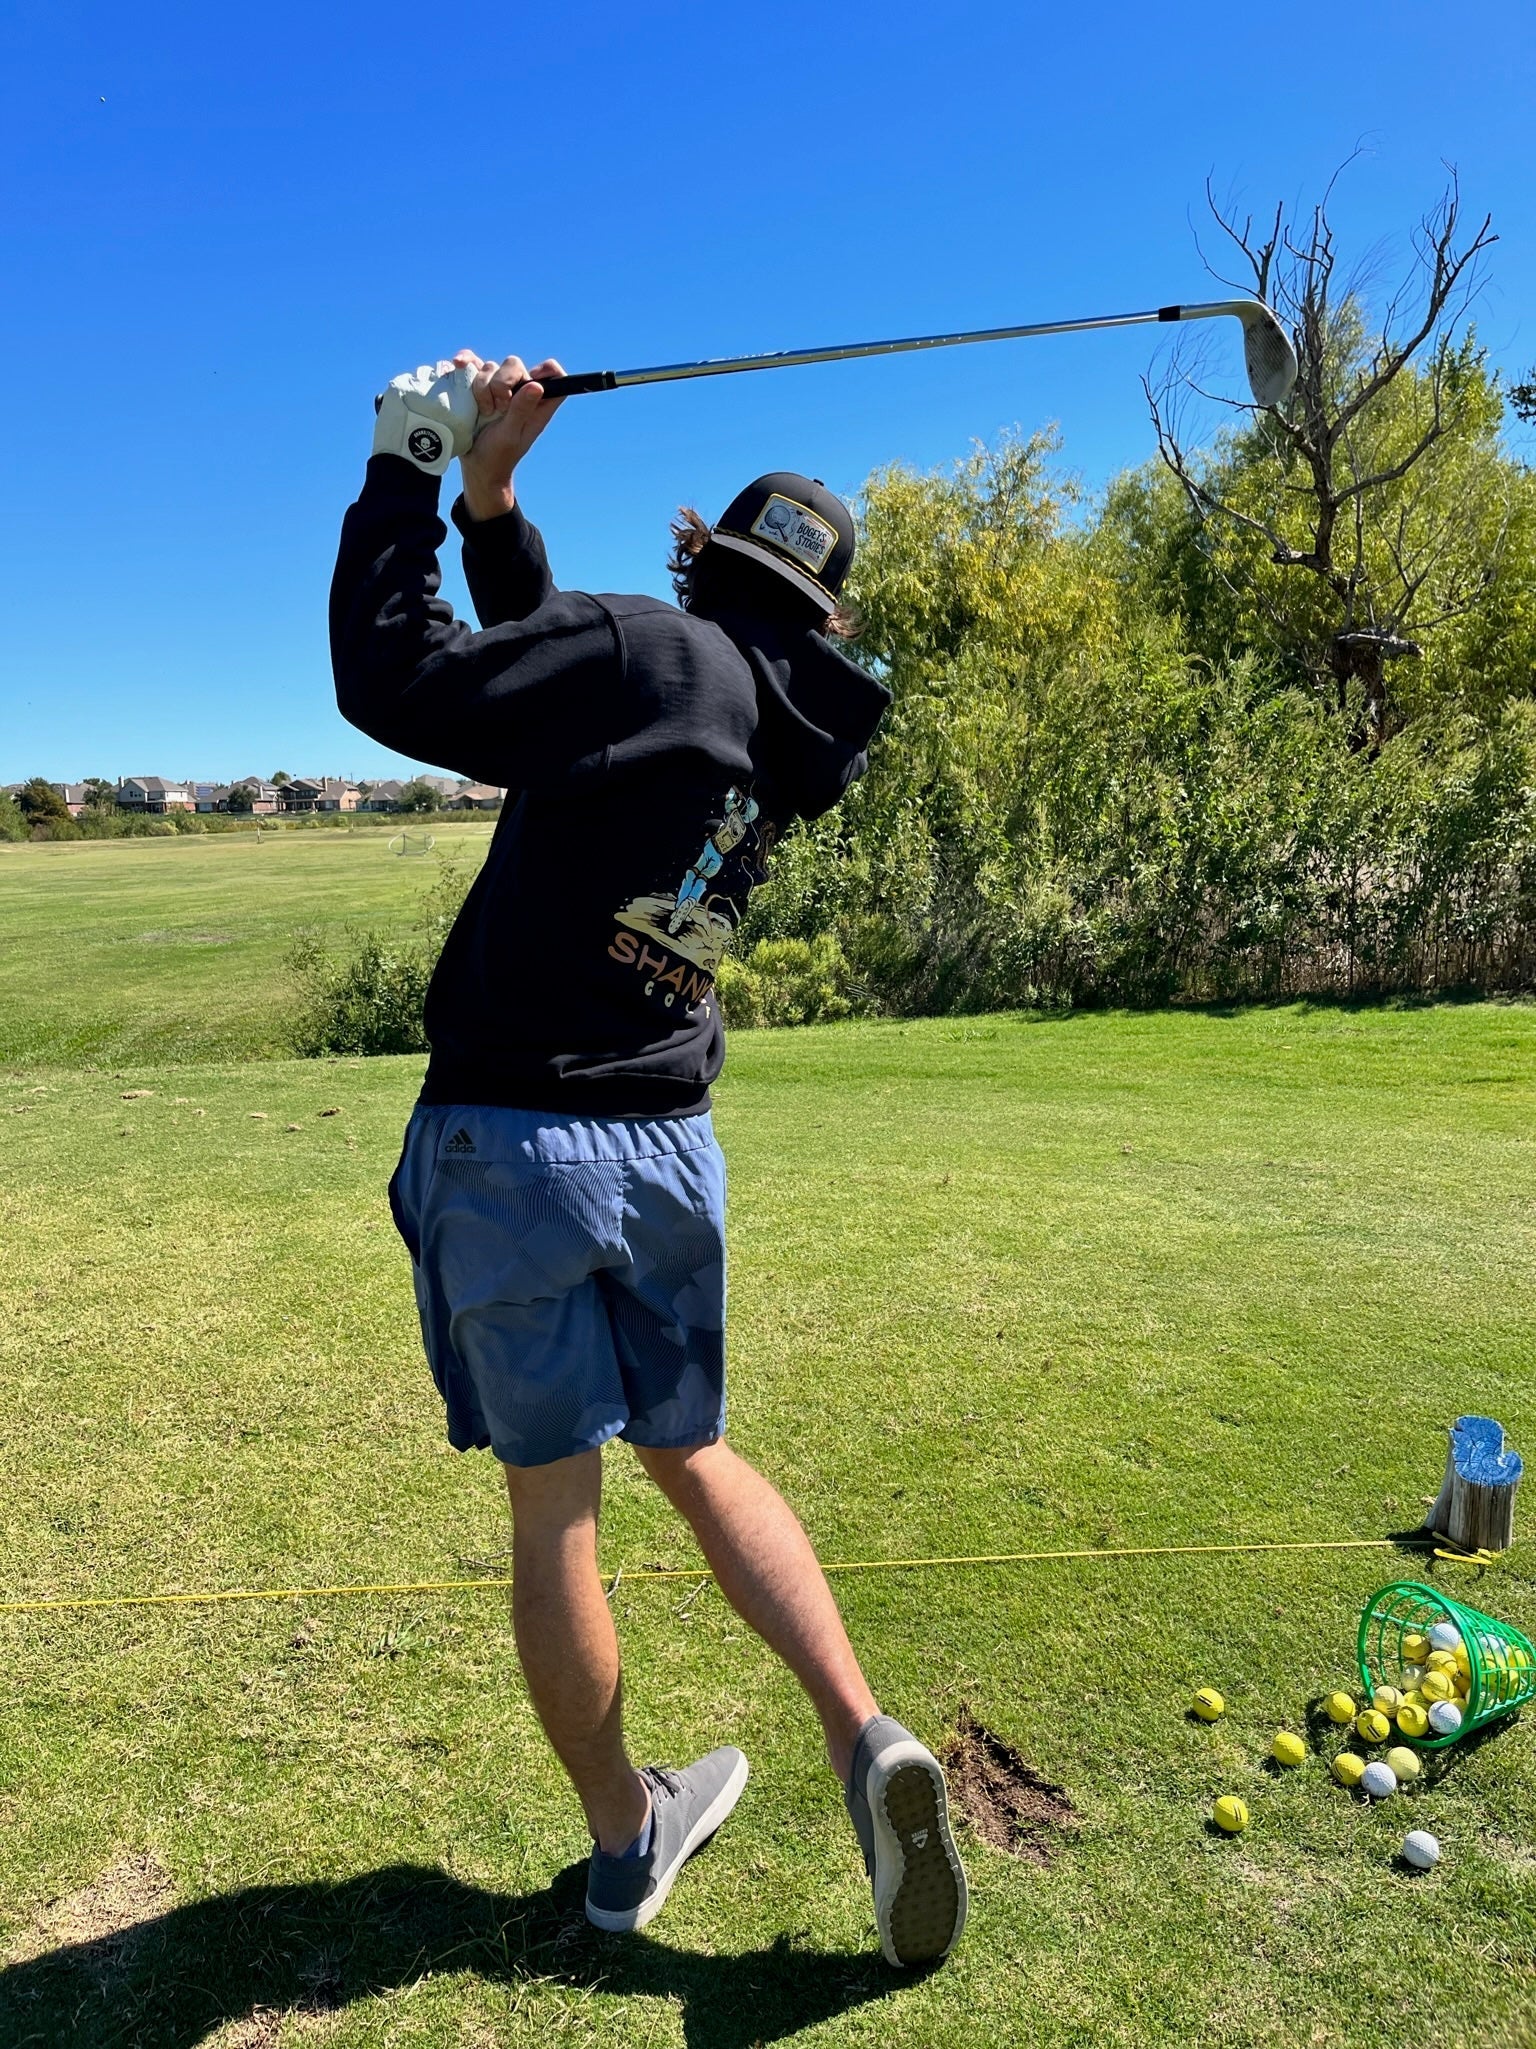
919,1883
710,1820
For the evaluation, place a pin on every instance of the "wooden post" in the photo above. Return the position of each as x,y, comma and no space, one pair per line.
1475,1508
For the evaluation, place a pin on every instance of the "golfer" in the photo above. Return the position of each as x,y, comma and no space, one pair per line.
561,1191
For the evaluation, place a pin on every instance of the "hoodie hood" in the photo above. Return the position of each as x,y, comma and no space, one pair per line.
817,712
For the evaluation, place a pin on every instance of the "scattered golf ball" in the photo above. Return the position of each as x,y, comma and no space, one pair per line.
1436,1687
1372,1726
1413,1719
1339,1708
1387,1699
1415,1647
1421,1849
1445,1636
1404,1762
1378,1780
1230,1814
1348,1768
1445,1718
1208,1704
1442,1661
1286,1748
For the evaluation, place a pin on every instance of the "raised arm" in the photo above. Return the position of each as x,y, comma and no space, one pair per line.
504,561
520,704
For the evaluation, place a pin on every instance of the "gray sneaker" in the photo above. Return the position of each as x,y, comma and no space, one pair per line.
686,1809
895,1796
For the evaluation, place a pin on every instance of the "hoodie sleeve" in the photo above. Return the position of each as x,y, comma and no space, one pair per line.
505,565
523,704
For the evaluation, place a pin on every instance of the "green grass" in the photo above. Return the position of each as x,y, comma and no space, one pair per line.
171,949
997,1285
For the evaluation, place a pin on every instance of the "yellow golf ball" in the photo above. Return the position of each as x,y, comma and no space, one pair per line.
1415,1647
1388,1699
1208,1704
1436,1686
1372,1726
1348,1769
1404,1762
1286,1748
1463,1661
1230,1814
1412,1720
1442,1661
1339,1708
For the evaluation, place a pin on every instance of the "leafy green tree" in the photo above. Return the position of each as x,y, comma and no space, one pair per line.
241,798
40,803
12,824
419,796
100,794
280,776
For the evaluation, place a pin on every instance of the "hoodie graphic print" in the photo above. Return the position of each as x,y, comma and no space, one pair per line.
649,757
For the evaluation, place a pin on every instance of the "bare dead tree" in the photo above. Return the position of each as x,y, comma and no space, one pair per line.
1387,560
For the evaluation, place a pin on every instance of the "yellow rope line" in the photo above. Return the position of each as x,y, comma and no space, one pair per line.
658,1572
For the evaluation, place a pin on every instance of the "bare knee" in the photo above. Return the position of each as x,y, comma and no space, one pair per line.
565,1495
685,1475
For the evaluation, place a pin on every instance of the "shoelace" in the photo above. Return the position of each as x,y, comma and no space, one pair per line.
664,1779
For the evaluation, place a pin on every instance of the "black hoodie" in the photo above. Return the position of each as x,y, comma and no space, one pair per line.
649,757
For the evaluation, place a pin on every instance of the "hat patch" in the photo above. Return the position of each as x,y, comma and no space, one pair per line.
796,531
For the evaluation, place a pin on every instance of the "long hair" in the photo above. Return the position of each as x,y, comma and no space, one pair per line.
690,532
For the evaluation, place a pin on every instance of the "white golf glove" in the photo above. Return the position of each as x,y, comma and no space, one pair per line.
428,415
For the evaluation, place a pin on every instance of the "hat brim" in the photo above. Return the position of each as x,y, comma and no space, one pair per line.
736,544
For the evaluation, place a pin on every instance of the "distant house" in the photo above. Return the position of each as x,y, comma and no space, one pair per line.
264,795
382,797
319,793
477,797
154,793
75,796
210,796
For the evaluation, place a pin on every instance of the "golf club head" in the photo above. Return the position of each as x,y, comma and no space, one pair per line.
1267,347
1268,354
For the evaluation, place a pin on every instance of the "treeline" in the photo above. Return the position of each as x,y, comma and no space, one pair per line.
1258,723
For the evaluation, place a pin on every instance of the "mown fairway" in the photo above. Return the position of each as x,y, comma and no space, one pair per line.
171,949
998,1285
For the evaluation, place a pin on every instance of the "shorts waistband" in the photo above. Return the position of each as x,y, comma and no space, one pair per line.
490,1132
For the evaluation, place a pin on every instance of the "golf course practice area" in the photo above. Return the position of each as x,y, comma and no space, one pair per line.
172,949
1107,1283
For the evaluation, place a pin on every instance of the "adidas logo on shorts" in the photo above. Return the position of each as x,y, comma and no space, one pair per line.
461,1142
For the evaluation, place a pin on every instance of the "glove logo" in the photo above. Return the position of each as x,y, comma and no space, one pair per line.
425,443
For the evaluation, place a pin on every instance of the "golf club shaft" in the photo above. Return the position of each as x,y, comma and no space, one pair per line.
787,359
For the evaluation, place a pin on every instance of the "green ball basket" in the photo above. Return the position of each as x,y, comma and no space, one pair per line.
1502,1678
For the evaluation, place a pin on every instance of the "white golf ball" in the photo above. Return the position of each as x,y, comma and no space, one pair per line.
1378,1780
1445,1636
1420,1849
1445,1718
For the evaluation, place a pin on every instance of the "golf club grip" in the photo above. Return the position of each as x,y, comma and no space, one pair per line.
581,381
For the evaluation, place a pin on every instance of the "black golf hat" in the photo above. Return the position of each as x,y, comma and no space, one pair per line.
796,526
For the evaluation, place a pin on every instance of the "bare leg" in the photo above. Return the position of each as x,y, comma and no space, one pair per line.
768,1572
565,1639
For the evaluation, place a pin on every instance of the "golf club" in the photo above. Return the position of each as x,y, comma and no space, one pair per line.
1267,351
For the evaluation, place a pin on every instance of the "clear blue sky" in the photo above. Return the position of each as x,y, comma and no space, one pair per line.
223,230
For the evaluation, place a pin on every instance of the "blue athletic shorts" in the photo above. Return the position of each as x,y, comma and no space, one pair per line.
570,1276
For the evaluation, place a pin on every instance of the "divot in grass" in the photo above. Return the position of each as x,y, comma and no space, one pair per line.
1006,1801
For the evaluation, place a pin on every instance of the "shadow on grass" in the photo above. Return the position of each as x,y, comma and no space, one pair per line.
270,1950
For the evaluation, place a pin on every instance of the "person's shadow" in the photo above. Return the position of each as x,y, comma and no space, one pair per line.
166,1983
